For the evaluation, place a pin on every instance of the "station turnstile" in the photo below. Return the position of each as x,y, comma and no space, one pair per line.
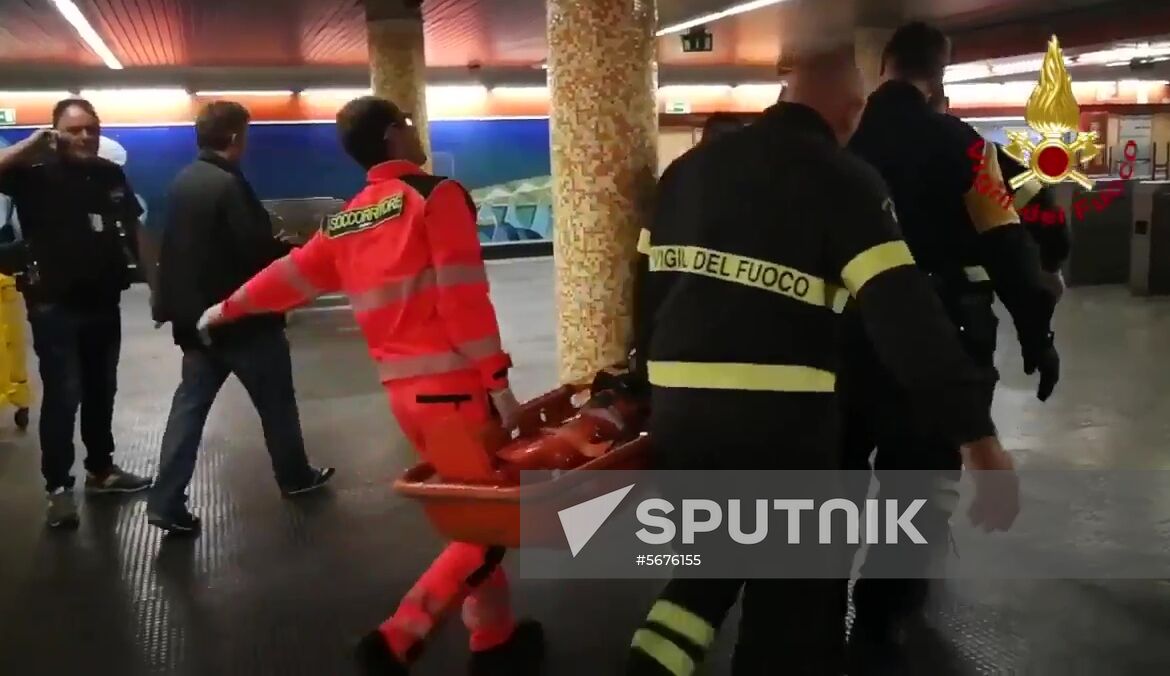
1100,250
1149,270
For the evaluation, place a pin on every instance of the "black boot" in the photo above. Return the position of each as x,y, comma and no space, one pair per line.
887,615
374,657
520,655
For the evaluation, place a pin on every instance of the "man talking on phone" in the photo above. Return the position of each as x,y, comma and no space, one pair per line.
79,218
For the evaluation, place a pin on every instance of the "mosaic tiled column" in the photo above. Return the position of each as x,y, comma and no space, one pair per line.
397,63
604,127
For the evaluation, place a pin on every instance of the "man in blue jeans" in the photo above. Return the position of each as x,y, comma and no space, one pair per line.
217,236
79,218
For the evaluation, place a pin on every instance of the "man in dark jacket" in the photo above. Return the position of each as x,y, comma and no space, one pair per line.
79,220
217,236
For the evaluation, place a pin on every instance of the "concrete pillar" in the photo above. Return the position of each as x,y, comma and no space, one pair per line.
604,126
397,60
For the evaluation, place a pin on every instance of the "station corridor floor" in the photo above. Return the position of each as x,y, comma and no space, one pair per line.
276,587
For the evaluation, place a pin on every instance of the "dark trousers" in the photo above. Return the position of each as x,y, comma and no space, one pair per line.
909,461
789,625
77,353
263,364
786,627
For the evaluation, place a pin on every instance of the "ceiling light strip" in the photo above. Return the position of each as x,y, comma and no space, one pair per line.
245,92
74,16
715,16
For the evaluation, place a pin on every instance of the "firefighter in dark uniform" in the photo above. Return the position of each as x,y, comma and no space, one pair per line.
758,240
1036,205
962,231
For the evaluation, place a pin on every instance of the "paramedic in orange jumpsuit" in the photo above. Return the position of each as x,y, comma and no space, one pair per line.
406,252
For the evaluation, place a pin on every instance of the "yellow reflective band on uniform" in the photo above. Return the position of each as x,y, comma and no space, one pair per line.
737,269
1026,193
644,242
687,624
873,262
976,273
672,658
725,376
984,201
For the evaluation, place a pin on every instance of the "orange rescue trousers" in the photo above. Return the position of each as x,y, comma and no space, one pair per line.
464,574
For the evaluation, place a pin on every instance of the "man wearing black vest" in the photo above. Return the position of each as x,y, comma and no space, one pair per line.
79,218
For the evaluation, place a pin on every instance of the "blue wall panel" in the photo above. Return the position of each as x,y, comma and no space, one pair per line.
504,163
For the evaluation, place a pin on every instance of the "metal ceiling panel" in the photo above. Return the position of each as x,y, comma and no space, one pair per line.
493,33
32,31
139,32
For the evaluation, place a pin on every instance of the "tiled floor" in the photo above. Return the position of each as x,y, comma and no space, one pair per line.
283,588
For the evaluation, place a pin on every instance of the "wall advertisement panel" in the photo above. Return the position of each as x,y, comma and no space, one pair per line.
503,162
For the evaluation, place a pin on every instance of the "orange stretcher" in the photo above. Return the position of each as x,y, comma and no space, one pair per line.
491,514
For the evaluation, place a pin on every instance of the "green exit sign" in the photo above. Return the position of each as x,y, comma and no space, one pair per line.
7,116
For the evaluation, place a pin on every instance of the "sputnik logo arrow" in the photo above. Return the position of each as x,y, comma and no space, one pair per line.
582,521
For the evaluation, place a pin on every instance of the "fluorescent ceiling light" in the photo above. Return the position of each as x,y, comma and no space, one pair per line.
1125,54
715,16
246,92
695,88
156,94
30,94
456,89
519,89
1017,67
337,91
74,16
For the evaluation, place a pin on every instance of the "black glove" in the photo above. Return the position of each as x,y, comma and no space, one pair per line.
1044,358
14,257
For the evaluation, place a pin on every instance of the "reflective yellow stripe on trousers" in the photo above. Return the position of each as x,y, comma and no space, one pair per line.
672,658
729,376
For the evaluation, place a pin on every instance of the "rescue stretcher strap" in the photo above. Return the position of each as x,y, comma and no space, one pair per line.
732,376
874,261
753,272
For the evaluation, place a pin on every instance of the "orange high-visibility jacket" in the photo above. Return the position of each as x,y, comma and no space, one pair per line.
406,252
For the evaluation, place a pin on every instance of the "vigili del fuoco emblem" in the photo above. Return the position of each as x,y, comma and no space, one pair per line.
1053,114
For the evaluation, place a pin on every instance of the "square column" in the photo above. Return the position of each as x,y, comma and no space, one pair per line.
397,58
604,125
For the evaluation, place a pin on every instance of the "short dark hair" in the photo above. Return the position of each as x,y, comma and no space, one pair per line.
65,104
362,125
218,122
718,124
916,51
